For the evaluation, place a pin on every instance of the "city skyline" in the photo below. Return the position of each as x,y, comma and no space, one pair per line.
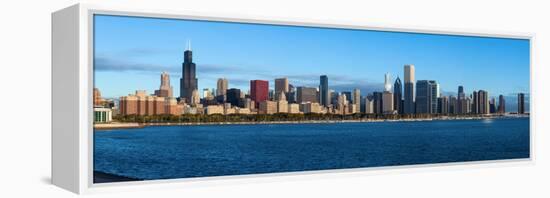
138,75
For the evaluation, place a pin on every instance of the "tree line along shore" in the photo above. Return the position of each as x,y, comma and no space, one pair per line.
136,121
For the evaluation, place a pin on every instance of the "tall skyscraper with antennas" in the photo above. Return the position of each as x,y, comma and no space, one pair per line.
188,81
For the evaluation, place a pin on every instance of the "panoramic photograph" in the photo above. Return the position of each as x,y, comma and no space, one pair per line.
177,98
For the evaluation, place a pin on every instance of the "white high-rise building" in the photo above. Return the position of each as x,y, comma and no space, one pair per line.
387,82
438,92
408,92
409,73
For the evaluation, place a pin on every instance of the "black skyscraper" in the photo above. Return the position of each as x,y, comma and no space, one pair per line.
501,104
323,89
521,103
425,94
461,98
233,96
397,96
188,81
377,102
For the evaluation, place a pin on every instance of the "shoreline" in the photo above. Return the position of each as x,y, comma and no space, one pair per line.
131,125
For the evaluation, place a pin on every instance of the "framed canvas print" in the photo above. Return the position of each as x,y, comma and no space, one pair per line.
149,96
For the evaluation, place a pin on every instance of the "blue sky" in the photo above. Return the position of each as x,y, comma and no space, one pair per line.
131,53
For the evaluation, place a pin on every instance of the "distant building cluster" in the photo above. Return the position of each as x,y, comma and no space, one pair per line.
103,109
408,97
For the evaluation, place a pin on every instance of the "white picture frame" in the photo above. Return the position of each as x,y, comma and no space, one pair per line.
72,85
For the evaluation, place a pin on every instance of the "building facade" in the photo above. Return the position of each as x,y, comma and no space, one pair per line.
387,102
267,107
165,89
234,97
425,97
103,115
324,91
356,100
188,81
306,94
369,105
378,102
281,87
259,90
521,103
409,93
501,104
398,96
221,89
142,104
443,105
293,108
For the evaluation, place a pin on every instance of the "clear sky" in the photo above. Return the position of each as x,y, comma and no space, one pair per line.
131,53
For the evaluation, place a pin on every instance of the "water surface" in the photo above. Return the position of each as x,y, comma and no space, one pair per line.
163,152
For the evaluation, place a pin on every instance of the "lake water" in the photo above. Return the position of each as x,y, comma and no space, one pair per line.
166,152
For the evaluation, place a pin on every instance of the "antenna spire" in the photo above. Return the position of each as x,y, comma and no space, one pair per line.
188,44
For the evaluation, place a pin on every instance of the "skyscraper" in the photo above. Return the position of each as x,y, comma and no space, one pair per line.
195,98
281,87
387,82
409,103
480,103
397,96
387,102
282,104
188,81
259,91
453,105
492,105
475,103
165,89
334,98
323,91
306,94
467,105
460,101
221,91
233,96
342,104
222,87
501,104
348,96
483,102
521,103
425,96
443,105
434,95
356,97
369,105
377,102
291,97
